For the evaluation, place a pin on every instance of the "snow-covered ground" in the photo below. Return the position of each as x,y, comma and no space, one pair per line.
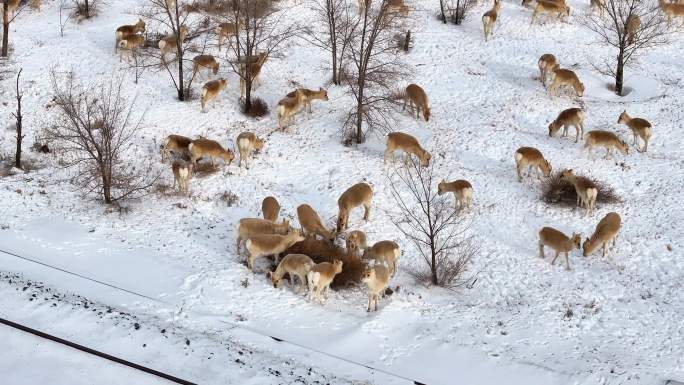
618,320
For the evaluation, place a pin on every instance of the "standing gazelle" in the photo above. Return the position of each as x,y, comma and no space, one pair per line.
409,145
586,189
210,91
550,237
417,100
605,139
170,43
247,143
310,95
289,106
547,65
489,19
462,189
254,67
127,30
640,127
357,195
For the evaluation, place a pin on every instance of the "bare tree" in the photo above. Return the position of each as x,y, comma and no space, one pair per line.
94,129
629,26
18,117
376,66
458,10
7,19
65,14
433,225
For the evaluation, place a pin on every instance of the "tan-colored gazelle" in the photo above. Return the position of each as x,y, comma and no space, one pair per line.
550,237
586,190
12,6
270,208
671,10
294,265
320,277
417,100
570,117
565,77
182,171
355,240
462,189
531,157
311,223
558,8
288,107
547,64
489,19
263,245
605,139
210,91
176,144
254,71
200,148
377,279
357,195
606,231
130,45
384,252
310,95
632,26
247,143
640,127
249,227
170,44
204,62
409,145
597,4
227,30
127,30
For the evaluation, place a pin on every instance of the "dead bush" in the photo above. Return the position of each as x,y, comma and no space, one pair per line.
561,192
257,109
323,251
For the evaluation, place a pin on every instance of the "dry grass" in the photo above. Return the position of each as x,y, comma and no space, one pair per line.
323,251
560,192
258,109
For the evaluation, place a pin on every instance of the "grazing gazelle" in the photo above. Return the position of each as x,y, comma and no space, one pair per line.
201,147
247,143
127,30
182,171
417,100
530,157
640,127
176,144
377,279
606,231
550,237
206,62
356,240
462,189
357,195
320,277
547,64
605,139
169,43
565,77
311,223
586,190
570,117
254,71
558,8
409,145
294,265
288,107
489,19
270,208
262,245
210,91
309,96
384,252
249,227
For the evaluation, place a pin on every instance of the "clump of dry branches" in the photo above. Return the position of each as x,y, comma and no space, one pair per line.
256,109
353,266
558,191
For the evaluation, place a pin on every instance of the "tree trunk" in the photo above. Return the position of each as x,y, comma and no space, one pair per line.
441,7
87,9
179,48
20,136
335,78
5,28
248,92
359,110
619,72
433,266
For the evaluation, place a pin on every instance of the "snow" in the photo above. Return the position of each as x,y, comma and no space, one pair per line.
617,320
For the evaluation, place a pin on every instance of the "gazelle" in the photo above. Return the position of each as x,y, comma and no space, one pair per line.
552,7
632,26
311,223
206,62
270,208
597,4
248,227
294,265
671,10
377,279
227,30
270,244
170,44
605,139
247,143
531,157
565,77
570,117
489,19
176,144
357,195
462,189
288,107
547,64
640,127
356,240
409,145
130,45
384,252
310,95
254,71
586,190
210,91
182,171
320,277
12,5
127,30
200,148
417,100
606,231
550,237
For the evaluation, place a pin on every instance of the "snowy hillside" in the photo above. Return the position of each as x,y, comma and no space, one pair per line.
613,320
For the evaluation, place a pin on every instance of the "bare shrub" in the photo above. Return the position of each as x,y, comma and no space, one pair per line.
94,129
457,10
433,225
557,191
323,251
229,198
256,109
85,9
